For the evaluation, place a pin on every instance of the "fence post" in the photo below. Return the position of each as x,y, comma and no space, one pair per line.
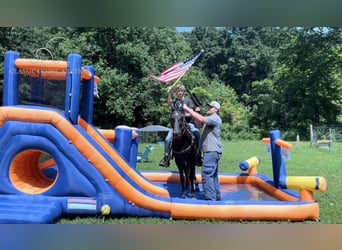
311,135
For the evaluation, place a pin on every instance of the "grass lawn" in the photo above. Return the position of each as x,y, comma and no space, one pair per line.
304,161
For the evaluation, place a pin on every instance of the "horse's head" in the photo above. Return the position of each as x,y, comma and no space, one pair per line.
178,122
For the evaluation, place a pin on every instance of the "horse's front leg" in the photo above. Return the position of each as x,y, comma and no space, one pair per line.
182,181
190,181
193,181
193,195
196,184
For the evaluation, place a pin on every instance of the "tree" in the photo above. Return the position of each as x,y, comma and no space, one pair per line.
309,85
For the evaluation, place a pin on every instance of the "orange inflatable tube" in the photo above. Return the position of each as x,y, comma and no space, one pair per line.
283,144
48,69
109,134
279,142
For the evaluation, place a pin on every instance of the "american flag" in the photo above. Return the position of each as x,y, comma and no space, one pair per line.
176,70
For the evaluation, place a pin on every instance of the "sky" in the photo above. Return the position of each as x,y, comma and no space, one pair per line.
184,29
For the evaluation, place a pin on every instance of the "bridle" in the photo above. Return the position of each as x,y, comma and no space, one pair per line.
179,126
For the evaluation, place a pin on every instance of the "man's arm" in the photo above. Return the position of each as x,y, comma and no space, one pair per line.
194,114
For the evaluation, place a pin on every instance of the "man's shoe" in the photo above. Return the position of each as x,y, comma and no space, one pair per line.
165,162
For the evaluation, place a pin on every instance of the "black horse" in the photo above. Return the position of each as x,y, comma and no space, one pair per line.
184,149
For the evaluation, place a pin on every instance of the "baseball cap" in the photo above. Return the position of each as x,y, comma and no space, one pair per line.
214,104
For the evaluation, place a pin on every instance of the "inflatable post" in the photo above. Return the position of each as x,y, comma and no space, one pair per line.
72,95
123,141
11,79
134,148
278,164
88,97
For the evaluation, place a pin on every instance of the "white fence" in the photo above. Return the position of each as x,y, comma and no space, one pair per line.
332,133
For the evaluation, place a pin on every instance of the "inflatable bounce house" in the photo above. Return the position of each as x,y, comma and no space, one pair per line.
55,163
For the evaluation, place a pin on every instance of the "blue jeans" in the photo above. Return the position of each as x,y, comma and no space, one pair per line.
210,181
196,132
168,138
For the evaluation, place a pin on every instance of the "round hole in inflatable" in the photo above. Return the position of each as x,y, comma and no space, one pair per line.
33,171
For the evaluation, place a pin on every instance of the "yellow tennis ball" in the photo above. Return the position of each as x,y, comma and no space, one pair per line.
105,210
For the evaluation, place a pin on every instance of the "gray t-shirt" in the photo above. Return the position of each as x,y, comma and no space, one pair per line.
211,135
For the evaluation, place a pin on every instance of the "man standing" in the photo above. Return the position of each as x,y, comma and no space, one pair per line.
211,147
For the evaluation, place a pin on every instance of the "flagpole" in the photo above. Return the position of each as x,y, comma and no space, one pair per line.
174,84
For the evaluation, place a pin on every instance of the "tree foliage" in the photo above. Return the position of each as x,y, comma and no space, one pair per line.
265,78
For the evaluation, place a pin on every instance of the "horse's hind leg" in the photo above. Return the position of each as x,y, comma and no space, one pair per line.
183,194
196,184
193,195
183,188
